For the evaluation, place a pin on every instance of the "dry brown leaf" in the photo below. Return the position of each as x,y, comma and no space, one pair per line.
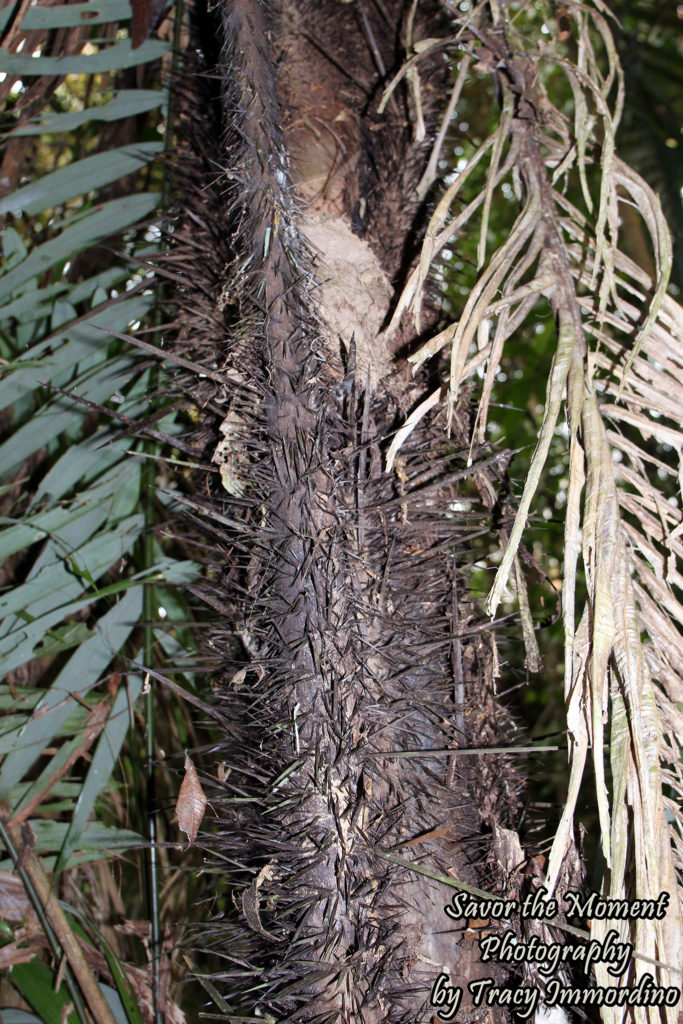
14,904
16,952
191,802
250,900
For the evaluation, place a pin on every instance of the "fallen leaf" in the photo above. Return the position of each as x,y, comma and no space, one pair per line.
14,904
191,802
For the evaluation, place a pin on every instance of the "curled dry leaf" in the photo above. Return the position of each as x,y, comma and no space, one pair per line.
191,802
250,900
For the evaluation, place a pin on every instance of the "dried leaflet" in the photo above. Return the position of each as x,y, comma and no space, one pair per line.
191,802
616,365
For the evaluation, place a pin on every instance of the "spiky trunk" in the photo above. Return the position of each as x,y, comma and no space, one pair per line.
356,643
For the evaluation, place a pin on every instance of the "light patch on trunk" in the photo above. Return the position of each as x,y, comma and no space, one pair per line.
354,294
352,301
225,454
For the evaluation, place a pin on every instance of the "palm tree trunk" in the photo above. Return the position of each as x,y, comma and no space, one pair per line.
356,644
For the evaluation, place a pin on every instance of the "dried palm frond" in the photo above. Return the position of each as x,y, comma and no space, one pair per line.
617,369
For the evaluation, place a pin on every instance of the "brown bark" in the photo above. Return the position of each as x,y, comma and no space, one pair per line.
340,580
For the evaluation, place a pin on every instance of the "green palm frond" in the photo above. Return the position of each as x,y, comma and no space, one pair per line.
76,521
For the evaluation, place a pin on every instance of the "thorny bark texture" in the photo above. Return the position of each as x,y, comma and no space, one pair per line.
355,642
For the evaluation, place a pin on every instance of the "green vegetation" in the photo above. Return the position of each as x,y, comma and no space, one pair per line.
90,582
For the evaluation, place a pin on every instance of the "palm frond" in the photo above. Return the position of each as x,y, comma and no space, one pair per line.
76,526
617,371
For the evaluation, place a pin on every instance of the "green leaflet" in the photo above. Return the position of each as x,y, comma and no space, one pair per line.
80,509
25,793
110,58
108,219
37,983
69,572
59,415
61,352
85,666
79,676
85,175
101,766
12,1016
125,103
97,841
122,1000
66,16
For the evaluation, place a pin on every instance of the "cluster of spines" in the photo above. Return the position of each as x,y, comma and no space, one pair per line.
335,585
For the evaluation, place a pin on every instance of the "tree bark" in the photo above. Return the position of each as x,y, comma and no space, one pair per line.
344,614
